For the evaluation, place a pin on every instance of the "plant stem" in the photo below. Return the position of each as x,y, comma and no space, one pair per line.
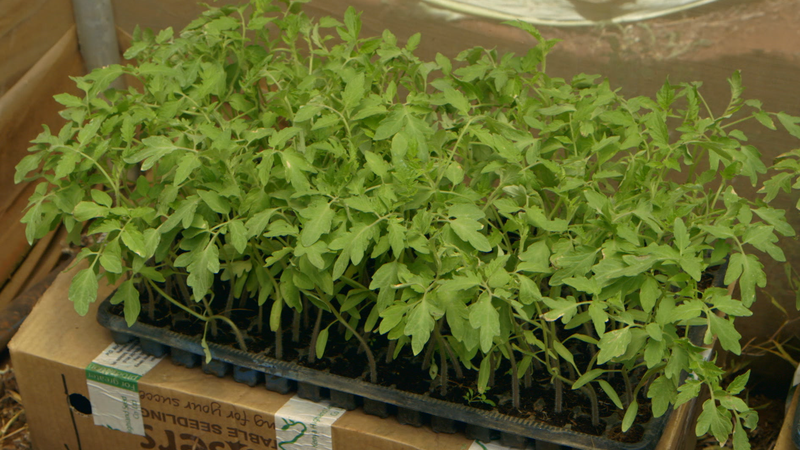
558,385
305,312
628,386
236,331
312,347
279,341
296,327
151,305
515,400
590,392
243,299
260,324
426,360
456,363
187,296
442,362
490,384
210,313
229,303
390,351
373,367
528,380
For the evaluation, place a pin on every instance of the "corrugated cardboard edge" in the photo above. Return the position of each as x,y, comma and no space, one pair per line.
55,344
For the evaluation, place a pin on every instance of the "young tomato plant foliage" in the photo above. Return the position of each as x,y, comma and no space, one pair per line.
475,213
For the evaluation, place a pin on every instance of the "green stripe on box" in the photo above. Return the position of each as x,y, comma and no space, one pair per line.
113,377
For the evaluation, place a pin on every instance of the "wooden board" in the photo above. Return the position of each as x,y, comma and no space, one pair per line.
12,236
38,263
28,29
29,104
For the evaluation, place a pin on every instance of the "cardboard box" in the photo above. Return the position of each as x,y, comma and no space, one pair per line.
181,409
53,348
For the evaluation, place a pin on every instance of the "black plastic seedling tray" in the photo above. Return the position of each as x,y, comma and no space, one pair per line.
409,408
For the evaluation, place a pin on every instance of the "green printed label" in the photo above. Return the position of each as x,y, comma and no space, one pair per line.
113,383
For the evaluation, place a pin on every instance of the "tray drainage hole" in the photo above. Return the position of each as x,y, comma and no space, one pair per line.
80,403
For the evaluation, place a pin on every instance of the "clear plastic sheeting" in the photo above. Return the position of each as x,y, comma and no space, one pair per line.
565,12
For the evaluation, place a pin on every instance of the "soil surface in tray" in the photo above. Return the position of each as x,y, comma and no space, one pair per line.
406,372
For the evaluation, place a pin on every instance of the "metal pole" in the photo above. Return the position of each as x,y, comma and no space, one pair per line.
97,34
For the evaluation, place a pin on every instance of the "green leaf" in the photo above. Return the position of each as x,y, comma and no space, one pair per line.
90,130
776,218
738,384
362,204
654,351
612,394
536,258
275,315
724,330
290,291
83,290
564,353
560,308
320,216
587,378
258,222
467,230
630,416
419,325
484,317
528,290
583,284
307,112
214,201
599,317
111,259
237,233
649,293
764,119
102,198
26,165
681,234
537,218
134,240
716,419
556,110
377,165
457,99
183,215
661,393
688,391
313,253
188,163
483,373
749,271
322,341
154,148
740,438
278,140
460,283
69,100
397,238
613,344
89,210
129,295
790,123
392,124
353,92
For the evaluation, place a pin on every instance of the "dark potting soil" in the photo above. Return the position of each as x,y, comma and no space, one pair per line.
346,358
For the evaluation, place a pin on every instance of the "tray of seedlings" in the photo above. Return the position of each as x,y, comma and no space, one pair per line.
464,241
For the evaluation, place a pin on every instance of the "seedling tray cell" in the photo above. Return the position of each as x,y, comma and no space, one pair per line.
413,409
